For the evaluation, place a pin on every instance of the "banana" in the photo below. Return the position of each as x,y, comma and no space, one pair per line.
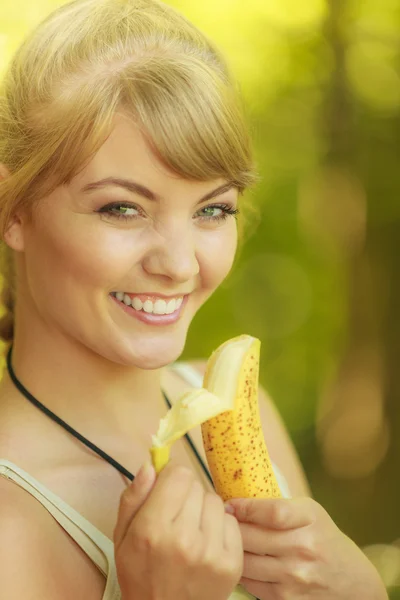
228,412
234,443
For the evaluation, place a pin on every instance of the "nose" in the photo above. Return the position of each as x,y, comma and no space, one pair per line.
173,256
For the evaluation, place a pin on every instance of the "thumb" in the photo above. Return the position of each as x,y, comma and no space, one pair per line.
132,499
274,513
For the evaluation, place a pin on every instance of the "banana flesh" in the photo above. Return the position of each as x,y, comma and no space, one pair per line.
192,409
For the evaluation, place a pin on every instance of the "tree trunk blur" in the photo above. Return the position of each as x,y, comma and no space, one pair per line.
363,146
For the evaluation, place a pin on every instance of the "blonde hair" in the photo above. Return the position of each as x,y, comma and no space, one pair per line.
80,66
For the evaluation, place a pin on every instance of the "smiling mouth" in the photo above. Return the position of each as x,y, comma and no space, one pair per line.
145,305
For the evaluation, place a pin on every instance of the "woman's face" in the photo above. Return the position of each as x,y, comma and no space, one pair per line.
88,255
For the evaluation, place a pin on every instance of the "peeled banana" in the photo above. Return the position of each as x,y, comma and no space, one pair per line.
227,409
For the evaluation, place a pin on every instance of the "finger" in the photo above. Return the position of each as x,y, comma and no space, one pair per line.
292,544
190,514
213,520
259,589
262,568
132,499
232,536
259,540
275,513
168,494
267,542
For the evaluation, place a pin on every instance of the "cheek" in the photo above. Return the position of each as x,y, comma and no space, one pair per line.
217,254
78,256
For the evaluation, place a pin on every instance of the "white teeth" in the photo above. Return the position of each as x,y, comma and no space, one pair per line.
159,307
148,306
171,307
137,304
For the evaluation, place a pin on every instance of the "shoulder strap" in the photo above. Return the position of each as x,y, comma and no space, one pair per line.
93,542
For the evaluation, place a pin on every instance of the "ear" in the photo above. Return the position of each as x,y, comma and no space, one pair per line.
13,236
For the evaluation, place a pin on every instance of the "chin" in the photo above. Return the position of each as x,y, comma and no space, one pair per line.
149,354
151,363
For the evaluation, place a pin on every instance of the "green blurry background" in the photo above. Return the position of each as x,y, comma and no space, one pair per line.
318,278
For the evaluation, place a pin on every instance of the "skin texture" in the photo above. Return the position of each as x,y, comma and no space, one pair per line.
294,550
196,551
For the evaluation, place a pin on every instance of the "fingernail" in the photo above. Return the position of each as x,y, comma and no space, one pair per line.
229,508
145,471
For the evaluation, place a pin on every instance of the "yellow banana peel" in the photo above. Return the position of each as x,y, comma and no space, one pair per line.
227,409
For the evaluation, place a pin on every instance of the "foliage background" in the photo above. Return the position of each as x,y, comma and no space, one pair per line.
318,279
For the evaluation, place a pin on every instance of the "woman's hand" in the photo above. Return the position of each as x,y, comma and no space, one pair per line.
173,540
294,550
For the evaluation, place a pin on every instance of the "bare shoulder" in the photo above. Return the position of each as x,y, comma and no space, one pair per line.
38,559
279,443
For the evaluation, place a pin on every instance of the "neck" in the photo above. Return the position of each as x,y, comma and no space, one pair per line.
97,397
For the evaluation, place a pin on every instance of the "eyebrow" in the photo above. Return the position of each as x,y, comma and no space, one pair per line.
140,189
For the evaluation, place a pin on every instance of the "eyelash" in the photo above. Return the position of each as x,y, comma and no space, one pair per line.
227,211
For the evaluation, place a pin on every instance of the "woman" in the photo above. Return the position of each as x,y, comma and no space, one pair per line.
124,156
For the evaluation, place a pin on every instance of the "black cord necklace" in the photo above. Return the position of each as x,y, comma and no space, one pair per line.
80,437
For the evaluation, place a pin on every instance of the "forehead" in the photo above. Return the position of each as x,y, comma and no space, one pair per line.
127,154
125,151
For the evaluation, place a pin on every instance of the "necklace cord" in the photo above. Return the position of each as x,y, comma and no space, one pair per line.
21,388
